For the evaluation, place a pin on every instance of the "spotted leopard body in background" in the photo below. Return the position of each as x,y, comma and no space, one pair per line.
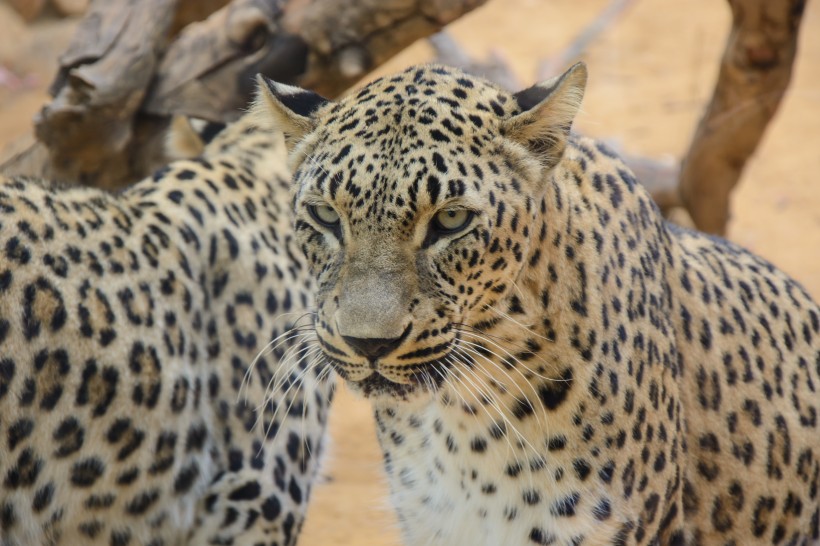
127,326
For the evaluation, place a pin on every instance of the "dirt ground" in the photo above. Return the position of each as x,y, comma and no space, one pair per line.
651,72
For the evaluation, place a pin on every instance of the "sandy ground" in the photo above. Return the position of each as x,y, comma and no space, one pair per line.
651,72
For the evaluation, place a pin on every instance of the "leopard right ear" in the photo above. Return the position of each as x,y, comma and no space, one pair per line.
547,112
292,108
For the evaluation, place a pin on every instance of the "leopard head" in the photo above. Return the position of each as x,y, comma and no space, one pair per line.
414,201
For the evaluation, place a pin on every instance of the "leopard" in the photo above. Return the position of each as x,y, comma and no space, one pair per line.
153,385
547,359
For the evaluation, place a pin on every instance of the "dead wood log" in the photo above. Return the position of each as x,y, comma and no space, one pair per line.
323,45
120,82
100,84
754,74
494,68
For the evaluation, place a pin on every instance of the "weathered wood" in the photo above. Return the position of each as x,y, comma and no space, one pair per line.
71,8
101,82
28,9
323,45
120,82
191,11
754,74
556,64
494,68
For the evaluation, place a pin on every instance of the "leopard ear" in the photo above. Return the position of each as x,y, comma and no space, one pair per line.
187,136
291,108
548,109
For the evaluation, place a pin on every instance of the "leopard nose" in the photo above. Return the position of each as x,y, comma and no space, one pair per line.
373,347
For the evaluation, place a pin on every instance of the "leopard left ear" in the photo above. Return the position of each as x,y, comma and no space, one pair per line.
291,108
187,136
548,109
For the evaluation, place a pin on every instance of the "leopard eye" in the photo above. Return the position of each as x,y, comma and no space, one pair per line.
325,215
452,220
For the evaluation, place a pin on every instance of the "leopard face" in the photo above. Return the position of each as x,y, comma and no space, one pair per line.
408,229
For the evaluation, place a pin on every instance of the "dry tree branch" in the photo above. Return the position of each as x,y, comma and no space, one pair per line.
754,74
121,81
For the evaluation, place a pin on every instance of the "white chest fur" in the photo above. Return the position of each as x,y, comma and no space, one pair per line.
453,482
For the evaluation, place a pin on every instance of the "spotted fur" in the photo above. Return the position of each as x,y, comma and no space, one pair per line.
564,367
128,323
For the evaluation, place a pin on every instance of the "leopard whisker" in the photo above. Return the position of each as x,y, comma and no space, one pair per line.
520,437
515,358
308,352
270,394
246,378
279,379
524,326
468,329
272,345
484,396
325,371
520,401
454,361
469,347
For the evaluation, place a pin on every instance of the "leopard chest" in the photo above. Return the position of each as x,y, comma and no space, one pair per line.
459,477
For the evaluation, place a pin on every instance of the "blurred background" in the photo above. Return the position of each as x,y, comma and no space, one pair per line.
653,66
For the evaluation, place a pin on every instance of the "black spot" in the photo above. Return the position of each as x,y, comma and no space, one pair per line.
120,537
433,188
271,508
86,472
478,445
186,174
195,440
91,528
5,280
25,471
582,469
554,393
295,491
140,504
602,510
438,136
565,507
42,498
541,537
186,478
250,491
70,435
128,477
531,497
439,163
19,431
557,443
98,502
606,472
17,252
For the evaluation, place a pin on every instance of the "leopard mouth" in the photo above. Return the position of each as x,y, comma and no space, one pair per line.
425,376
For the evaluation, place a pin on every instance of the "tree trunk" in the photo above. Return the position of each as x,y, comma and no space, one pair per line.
754,74
121,81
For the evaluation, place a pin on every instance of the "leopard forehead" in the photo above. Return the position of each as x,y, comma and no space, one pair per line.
406,145
422,96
